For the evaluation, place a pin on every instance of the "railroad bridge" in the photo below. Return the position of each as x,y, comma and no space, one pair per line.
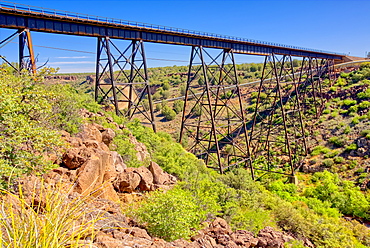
269,137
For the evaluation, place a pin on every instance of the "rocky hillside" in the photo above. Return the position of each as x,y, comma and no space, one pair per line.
89,168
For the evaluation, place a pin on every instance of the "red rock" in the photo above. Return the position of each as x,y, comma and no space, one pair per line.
127,181
146,176
138,232
72,159
107,136
103,240
159,176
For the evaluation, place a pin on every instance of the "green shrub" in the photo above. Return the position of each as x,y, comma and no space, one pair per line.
355,120
344,75
341,82
353,109
196,110
347,130
338,160
28,126
166,86
365,133
352,164
331,154
341,194
338,141
364,95
252,220
364,105
168,113
326,111
320,150
328,162
165,94
171,215
351,147
349,102
178,106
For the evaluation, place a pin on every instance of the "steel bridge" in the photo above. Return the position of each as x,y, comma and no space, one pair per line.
270,138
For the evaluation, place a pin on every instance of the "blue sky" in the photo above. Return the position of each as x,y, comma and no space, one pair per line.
338,26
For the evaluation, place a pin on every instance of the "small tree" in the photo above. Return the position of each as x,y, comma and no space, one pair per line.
166,86
178,106
168,113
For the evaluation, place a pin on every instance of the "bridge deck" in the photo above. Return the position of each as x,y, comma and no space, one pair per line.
17,16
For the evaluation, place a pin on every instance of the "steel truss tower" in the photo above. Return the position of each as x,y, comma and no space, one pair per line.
286,95
213,118
122,79
26,55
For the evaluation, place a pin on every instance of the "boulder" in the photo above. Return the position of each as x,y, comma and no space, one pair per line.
146,176
73,158
107,136
268,237
159,176
138,232
96,175
244,238
118,163
90,131
142,153
103,240
127,181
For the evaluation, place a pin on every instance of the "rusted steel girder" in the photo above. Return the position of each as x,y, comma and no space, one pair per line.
25,54
213,117
122,79
286,95
26,61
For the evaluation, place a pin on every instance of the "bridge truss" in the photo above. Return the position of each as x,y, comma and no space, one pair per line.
267,136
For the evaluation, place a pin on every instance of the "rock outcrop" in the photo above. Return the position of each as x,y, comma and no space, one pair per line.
97,169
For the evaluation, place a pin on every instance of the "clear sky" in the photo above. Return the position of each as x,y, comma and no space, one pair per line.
339,26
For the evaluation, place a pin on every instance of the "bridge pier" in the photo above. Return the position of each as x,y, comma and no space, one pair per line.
286,96
122,79
213,117
25,54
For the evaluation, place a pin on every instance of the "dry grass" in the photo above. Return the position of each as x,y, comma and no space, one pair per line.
46,217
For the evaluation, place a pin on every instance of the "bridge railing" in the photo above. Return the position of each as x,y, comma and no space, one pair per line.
77,16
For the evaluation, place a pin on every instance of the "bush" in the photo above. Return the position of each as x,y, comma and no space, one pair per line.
171,215
364,105
349,102
331,154
320,150
351,147
338,141
341,82
178,106
364,95
28,126
328,163
197,110
168,113
166,86
365,133
338,160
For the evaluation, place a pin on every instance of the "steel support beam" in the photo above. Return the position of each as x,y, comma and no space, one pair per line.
213,117
122,79
26,54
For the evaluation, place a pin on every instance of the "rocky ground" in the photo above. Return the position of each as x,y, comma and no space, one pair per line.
89,167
